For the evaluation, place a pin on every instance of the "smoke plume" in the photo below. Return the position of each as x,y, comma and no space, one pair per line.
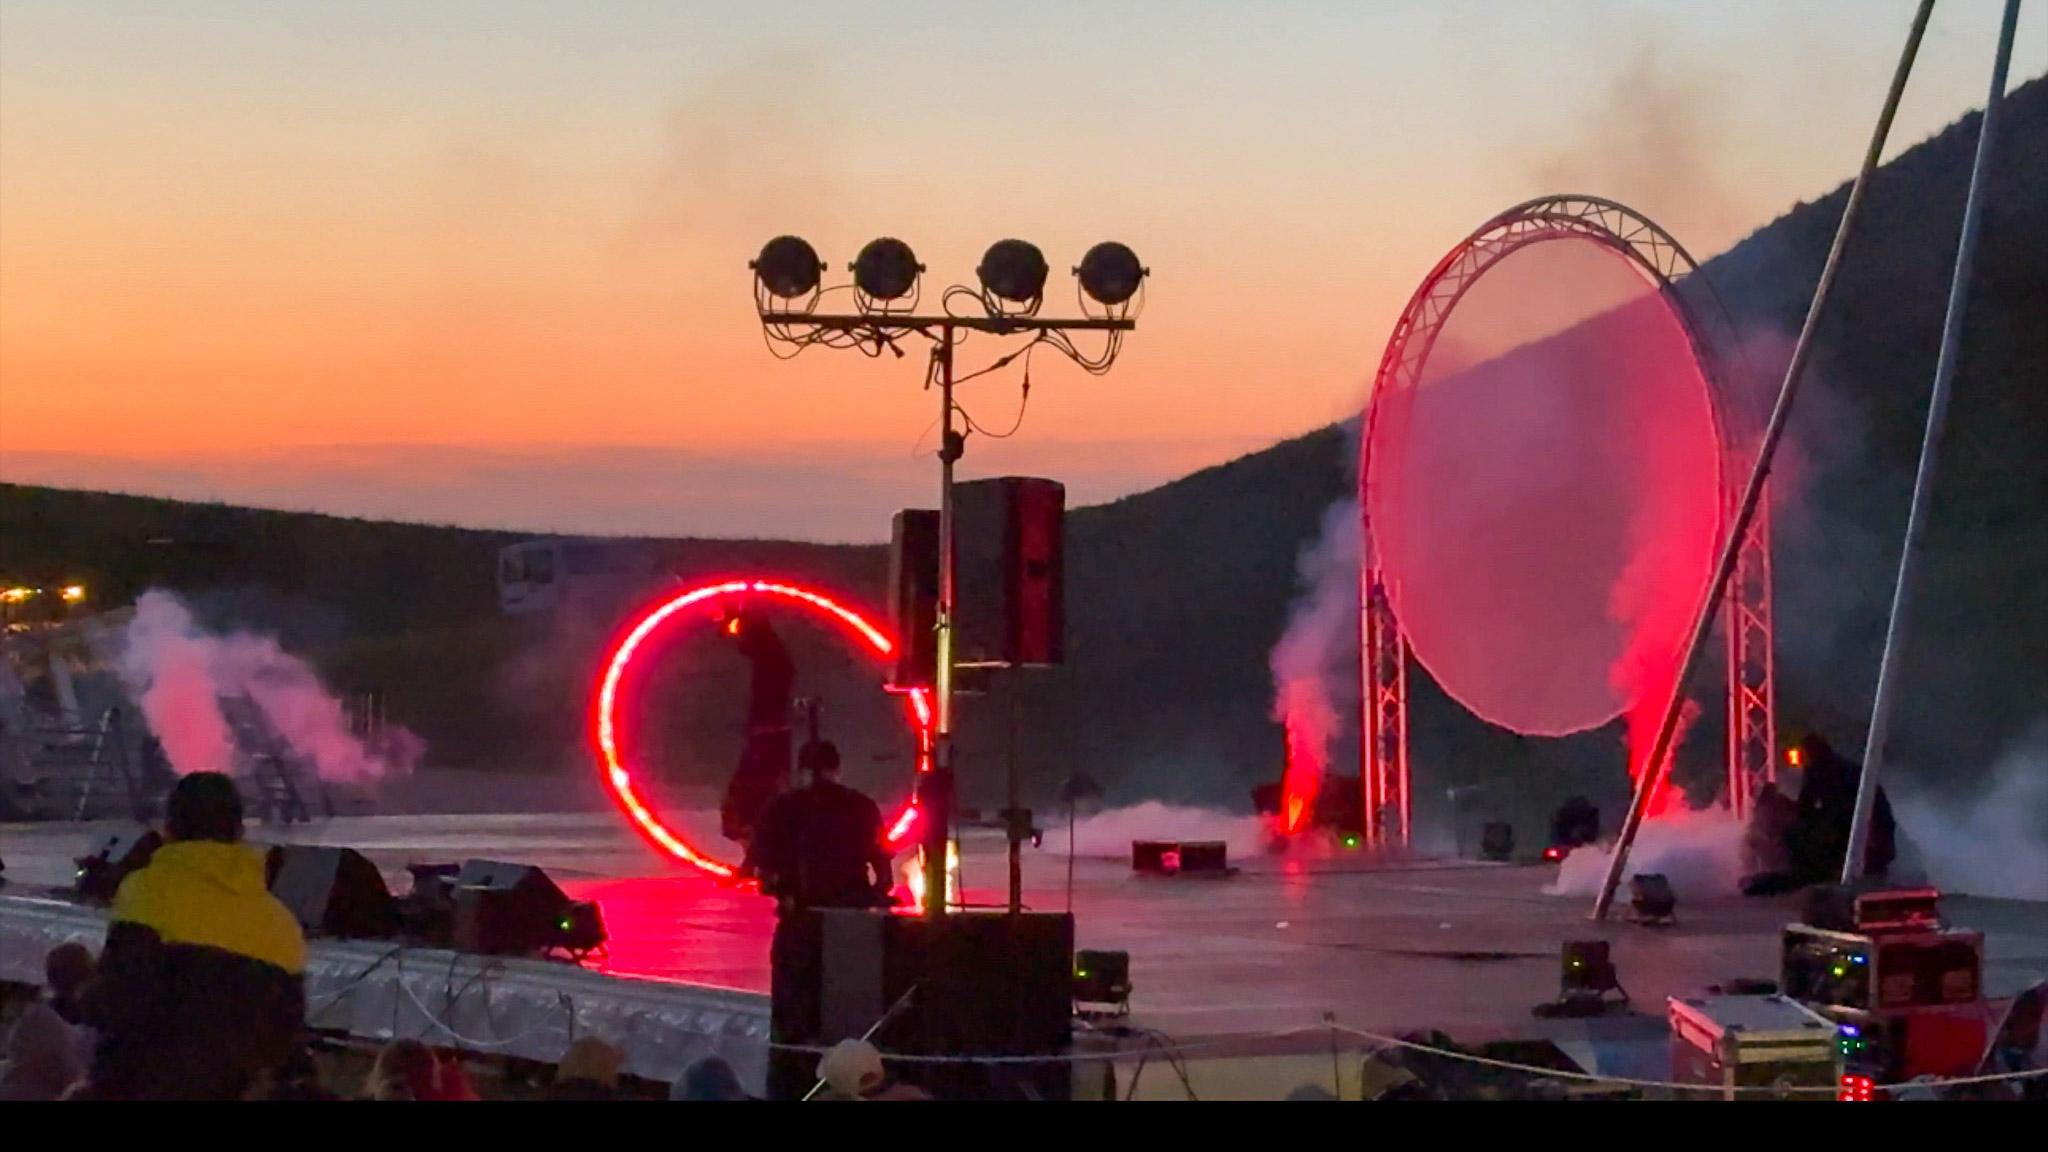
1700,853
1109,834
1994,843
178,673
1315,664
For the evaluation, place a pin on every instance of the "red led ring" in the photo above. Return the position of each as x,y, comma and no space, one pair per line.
618,778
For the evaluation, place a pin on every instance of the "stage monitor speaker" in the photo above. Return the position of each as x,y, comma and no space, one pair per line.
111,858
1009,567
978,984
914,597
333,892
506,909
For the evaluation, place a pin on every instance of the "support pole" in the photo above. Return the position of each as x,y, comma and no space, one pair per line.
1752,493
936,799
1930,450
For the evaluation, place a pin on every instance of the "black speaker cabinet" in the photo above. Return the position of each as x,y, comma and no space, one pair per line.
506,909
914,597
1009,561
333,892
978,984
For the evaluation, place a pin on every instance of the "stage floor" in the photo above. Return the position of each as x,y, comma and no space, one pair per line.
1464,948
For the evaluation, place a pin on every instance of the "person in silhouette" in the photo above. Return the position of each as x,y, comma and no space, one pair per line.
201,987
821,845
816,847
1827,805
764,763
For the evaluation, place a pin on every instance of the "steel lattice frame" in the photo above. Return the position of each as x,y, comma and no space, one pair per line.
1383,649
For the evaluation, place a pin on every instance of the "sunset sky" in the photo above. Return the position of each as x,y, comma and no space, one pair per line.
485,262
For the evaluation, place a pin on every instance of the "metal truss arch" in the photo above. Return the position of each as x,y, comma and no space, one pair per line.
1738,417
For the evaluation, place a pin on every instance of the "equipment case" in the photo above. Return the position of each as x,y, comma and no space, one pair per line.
1727,1043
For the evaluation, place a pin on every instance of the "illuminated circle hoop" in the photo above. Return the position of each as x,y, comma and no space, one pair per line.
618,777
1738,420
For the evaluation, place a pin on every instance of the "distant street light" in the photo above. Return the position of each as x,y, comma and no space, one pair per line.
885,291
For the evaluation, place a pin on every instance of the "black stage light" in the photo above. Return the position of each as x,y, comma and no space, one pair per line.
1013,270
581,930
1497,841
1110,274
1653,898
788,267
112,858
1588,970
1102,977
886,269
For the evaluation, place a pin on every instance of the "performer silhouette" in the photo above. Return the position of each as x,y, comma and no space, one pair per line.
764,763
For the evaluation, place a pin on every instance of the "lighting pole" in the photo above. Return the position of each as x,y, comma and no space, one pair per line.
885,294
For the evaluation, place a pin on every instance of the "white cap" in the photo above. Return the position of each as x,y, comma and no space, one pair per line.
852,1068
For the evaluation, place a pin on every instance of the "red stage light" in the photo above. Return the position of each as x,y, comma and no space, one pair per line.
1857,1088
618,778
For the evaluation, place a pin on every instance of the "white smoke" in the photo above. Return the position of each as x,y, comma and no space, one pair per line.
1109,834
1994,843
1700,853
1315,664
178,673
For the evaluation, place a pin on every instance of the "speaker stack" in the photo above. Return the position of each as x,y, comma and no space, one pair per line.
967,985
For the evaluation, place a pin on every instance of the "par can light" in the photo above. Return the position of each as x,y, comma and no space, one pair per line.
1013,270
788,267
886,269
1110,274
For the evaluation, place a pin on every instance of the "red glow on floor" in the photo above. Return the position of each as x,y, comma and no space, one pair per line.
608,730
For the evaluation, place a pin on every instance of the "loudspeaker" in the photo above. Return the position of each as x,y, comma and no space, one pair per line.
333,892
111,858
979,984
1009,569
914,597
507,909
1497,841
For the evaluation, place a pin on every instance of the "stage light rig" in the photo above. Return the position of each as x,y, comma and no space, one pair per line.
885,293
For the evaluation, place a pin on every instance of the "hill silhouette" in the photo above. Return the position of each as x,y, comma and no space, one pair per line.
1176,595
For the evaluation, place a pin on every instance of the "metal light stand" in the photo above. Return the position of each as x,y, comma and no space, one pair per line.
882,329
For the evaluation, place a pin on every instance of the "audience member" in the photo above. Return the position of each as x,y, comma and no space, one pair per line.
709,1079
201,985
410,1070
589,1070
852,1070
50,1050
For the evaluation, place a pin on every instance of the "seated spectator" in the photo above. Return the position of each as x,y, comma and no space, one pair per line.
201,984
66,971
49,1051
852,1070
589,1070
297,1079
709,1079
409,1070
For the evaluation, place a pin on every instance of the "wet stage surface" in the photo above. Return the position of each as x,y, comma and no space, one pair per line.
1465,948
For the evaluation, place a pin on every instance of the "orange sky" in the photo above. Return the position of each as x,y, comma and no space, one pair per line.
229,232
